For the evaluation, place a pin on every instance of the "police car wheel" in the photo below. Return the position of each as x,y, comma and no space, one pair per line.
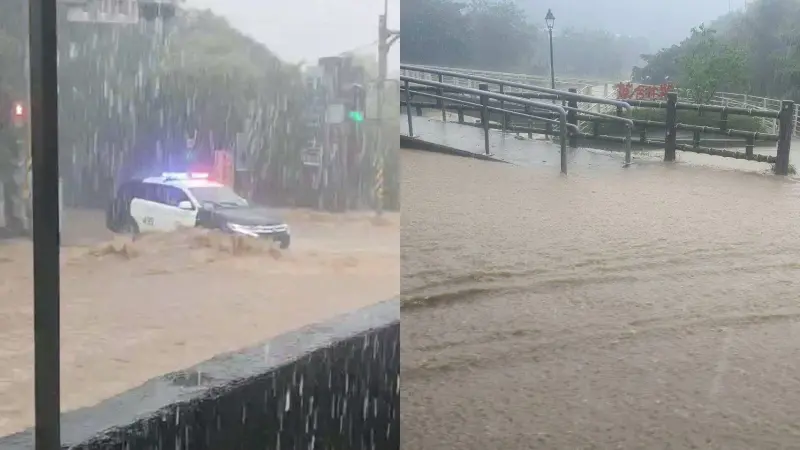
130,226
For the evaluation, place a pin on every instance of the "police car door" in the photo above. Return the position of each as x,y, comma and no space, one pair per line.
145,207
174,215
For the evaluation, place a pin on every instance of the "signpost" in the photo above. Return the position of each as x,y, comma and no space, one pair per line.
43,61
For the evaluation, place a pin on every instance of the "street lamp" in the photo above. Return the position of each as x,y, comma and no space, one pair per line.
550,20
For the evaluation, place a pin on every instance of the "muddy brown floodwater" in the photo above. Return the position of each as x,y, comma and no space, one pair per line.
132,311
649,308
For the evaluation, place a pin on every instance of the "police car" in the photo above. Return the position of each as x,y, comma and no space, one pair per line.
176,200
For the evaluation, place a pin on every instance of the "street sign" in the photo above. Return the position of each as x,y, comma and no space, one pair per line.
335,114
391,98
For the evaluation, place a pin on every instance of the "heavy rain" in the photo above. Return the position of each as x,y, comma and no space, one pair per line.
142,95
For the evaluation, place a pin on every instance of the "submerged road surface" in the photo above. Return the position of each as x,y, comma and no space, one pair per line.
649,308
135,310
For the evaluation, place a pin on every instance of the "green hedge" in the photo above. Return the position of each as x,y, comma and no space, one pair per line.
709,119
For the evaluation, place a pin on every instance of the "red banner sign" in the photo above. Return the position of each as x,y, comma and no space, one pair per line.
223,167
630,91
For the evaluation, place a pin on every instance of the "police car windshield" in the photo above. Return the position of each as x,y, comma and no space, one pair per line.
218,196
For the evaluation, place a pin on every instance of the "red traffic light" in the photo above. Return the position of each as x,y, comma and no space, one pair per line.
19,110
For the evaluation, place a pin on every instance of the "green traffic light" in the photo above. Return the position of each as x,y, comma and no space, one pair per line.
356,116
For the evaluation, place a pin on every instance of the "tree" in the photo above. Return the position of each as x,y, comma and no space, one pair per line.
764,37
710,64
497,35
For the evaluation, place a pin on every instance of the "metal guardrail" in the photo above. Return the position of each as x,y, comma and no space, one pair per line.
503,96
595,110
484,95
592,86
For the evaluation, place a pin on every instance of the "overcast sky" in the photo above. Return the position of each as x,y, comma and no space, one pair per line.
298,30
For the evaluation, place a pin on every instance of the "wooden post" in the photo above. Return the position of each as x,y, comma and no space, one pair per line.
596,128
408,111
723,120
748,150
548,129
695,139
784,137
643,134
485,116
671,128
572,118
530,122
440,101
418,109
460,115
503,106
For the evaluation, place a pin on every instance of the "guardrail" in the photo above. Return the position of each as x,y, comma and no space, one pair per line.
584,112
595,86
332,385
568,98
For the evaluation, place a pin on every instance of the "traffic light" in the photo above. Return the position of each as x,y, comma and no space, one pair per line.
356,116
18,114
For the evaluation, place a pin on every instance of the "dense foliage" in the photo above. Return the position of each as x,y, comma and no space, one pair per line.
497,35
130,97
756,51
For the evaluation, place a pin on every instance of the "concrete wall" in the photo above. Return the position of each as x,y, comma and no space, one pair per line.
333,385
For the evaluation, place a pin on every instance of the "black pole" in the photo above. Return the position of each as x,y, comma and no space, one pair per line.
46,270
552,65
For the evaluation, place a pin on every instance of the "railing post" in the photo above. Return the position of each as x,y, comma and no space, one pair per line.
723,120
485,116
784,137
572,118
563,130
530,122
408,110
748,150
502,106
440,101
460,114
671,128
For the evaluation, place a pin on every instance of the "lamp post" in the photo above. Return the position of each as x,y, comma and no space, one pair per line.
550,20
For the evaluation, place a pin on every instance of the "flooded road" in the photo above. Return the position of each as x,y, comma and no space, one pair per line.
132,311
640,308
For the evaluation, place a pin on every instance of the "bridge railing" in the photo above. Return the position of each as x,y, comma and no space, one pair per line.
449,81
535,80
482,95
587,114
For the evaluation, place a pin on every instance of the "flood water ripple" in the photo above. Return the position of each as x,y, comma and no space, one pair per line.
649,307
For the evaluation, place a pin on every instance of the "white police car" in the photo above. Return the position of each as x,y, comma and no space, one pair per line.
176,200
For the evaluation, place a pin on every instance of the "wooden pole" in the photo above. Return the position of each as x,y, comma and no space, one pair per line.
485,116
784,137
671,127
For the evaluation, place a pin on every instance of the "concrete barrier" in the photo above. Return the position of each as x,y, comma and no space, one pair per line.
334,385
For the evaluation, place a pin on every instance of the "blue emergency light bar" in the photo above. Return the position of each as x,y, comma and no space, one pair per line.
185,175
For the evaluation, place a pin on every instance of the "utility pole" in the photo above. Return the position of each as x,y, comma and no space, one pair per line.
386,38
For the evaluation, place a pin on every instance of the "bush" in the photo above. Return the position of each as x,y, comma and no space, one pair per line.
708,119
